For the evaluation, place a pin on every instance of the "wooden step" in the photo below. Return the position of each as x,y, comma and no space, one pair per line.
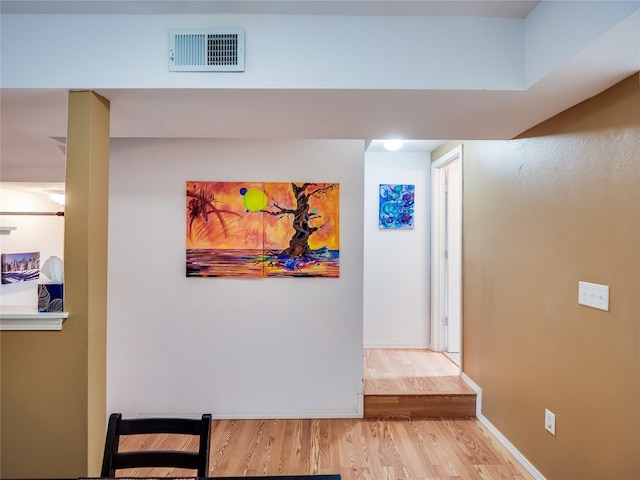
414,384
413,406
425,397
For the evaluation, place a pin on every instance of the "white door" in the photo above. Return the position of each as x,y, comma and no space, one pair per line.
446,295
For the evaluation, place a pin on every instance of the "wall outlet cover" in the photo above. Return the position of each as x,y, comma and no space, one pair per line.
550,421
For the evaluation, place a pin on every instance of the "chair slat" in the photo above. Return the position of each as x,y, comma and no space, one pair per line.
155,459
160,425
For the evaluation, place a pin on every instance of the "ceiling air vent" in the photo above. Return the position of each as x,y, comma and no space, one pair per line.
210,50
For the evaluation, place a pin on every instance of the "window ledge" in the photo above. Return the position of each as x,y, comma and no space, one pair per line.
25,317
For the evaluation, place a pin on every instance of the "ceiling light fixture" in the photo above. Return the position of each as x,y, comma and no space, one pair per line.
56,195
393,145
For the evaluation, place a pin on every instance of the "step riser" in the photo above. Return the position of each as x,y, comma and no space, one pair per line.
406,407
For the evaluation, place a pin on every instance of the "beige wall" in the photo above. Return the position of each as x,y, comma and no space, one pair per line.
558,205
53,391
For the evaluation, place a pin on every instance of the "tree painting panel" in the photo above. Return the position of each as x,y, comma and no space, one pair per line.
302,230
396,206
245,229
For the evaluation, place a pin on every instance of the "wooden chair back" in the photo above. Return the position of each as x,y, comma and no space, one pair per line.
114,460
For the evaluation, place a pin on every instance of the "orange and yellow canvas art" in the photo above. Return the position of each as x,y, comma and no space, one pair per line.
263,229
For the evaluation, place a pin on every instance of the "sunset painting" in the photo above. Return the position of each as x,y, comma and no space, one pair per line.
256,229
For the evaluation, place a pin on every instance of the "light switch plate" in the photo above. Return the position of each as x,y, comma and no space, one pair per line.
593,295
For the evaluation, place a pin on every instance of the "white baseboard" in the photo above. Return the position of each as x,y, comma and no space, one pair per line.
496,433
474,386
286,416
399,346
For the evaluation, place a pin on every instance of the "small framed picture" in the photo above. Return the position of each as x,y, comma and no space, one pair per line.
396,206
20,267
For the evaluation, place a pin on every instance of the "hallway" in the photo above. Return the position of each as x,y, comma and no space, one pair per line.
407,371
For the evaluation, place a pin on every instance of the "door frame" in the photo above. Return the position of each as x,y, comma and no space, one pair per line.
438,243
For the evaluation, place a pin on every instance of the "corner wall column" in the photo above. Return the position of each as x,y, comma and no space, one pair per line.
85,253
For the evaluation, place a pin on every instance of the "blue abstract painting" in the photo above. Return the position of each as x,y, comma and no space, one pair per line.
396,206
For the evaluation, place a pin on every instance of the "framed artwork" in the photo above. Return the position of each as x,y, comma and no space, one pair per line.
20,267
396,206
262,229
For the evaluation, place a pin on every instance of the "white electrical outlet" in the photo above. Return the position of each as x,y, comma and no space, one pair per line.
593,295
550,421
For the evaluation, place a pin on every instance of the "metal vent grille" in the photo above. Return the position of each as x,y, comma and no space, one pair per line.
206,50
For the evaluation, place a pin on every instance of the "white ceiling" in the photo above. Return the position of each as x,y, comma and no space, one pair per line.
475,8
33,122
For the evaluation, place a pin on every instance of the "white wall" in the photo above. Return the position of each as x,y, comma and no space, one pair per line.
282,51
44,234
296,51
238,348
396,269
557,31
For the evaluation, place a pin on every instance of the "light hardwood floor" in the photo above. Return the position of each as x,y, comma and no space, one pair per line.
359,449
410,371
396,363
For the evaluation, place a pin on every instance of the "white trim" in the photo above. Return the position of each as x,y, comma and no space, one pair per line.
474,386
253,416
23,317
283,416
435,261
437,341
528,466
382,346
